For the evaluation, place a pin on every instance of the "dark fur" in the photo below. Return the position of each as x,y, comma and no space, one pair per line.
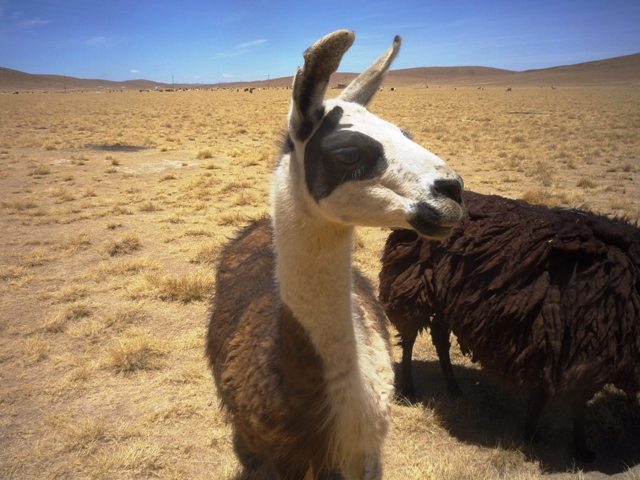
545,298
268,374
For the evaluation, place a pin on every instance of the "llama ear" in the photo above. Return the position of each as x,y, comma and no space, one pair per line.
362,89
310,84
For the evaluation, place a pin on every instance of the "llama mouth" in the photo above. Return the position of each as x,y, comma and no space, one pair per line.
428,221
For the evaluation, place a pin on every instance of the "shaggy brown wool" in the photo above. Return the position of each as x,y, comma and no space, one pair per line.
268,374
545,298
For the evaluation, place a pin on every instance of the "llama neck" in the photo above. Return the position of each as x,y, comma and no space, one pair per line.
314,275
313,269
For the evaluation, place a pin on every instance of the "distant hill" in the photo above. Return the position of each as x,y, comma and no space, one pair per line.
613,71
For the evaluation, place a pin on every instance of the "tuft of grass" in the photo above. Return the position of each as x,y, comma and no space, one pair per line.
127,244
168,176
39,170
35,349
197,232
71,312
120,210
72,293
123,267
203,154
77,242
36,257
138,352
18,204
233,218
207,253
585,182
126,317
186,288
148,207
86,435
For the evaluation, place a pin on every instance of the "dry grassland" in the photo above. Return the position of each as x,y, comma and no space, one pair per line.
114,207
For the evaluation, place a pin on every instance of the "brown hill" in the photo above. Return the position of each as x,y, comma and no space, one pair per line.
614,71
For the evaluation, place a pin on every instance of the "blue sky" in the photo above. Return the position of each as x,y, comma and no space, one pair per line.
196,41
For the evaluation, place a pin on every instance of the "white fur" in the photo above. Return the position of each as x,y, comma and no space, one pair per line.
313,246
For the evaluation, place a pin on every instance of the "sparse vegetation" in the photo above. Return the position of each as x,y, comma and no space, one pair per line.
105,277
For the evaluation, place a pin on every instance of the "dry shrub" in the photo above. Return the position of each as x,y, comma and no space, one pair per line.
197,232
35,349
207,253
76,242
585,182
149,207
123,267
232,218
19,204
39,170
140,458
168,176
126,317
71,312
203,154
136,352
91,329
72,293
36,257
10,272
120,210
175,219
185,289
85,435
127,244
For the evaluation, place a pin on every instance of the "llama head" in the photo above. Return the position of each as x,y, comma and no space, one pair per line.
353,168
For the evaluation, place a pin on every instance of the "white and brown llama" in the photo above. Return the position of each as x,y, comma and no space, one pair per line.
297,342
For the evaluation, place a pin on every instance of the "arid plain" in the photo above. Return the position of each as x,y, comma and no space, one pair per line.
114,207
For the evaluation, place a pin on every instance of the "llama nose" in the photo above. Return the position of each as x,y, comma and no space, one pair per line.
450,188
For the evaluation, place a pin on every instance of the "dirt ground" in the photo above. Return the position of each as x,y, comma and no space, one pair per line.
114,207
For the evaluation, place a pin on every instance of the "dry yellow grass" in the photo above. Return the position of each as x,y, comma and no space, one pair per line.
114,209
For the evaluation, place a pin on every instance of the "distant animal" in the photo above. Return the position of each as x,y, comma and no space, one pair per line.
508,89
545,298
297,342
393,89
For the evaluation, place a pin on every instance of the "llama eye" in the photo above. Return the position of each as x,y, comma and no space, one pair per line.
347,156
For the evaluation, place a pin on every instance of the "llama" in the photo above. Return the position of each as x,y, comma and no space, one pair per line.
544,298
298,345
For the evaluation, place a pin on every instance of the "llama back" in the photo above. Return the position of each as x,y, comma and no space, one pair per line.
540,296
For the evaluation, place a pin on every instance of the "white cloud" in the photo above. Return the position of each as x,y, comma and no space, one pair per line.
32,22
227,75
253,43
135,71
103,41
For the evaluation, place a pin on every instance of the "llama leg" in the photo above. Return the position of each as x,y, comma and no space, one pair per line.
537,401
406,378
578,408
440,338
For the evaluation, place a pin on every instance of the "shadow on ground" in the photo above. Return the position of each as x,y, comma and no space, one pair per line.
492,414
